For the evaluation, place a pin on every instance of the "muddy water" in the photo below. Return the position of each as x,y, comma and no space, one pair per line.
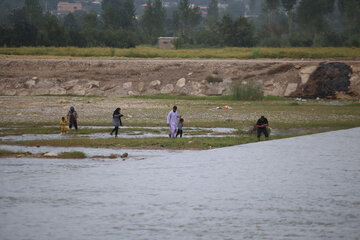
188,132
299,188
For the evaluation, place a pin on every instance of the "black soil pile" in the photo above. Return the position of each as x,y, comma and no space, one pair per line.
328,79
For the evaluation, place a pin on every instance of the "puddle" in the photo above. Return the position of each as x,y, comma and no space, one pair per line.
189,132
138,154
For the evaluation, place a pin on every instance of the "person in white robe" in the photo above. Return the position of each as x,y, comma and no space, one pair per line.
172,121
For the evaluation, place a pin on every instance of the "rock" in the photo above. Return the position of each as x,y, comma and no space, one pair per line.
124,155
304,78
269,83
69,84
40,91
127,85
45,84
57,91
93,84
308,70
181,82
50,154
18,85
291,87
155,83
297,66
227,81
168,88
78,90
9,92
19,114
141,86
244,82
215,90
190,73
30,83
131,93
35,78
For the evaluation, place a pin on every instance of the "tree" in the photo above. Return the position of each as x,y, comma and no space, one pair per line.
119,14
289,7
271,6
90,20
311,16
70,23
350,10
213,14
186,18
51,32
238,33
33,11
153,20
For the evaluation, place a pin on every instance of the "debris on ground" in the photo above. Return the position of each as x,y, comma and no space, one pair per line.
224,107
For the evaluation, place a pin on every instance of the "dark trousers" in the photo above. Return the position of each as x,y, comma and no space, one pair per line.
116,129
73,123
260,130
179,132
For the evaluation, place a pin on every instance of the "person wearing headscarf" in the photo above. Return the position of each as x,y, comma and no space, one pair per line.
116,121
72,117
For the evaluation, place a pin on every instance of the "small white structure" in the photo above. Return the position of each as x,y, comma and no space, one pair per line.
166,42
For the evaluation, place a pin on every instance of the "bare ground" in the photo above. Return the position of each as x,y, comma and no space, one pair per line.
117,78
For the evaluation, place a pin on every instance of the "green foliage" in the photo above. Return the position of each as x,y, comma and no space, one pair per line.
186,18
153,21
72,155
247,91
212,79
212,15
118,14
238,33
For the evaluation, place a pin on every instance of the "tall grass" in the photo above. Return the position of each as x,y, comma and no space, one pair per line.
247,92
218,53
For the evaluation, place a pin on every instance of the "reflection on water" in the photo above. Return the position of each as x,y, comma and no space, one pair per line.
297,188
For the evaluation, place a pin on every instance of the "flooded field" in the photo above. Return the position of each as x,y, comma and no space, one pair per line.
297,188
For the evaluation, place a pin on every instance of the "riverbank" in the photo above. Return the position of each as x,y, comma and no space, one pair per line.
206,126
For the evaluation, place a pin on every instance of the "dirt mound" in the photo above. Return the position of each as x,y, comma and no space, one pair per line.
327,81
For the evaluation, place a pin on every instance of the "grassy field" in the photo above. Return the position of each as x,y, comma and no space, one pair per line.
41,115
207,53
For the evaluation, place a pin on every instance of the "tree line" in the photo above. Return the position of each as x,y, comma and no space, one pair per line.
281,23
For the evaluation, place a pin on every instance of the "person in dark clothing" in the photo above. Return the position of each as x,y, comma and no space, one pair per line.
72,117
261,125
116,121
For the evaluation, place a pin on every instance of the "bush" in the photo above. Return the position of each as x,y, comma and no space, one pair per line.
212,79
248,91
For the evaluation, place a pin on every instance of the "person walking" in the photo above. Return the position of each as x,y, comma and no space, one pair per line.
72,117
261,125
180,128
116,121
172,121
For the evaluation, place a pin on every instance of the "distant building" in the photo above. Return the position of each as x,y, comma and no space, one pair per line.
69,7
166,42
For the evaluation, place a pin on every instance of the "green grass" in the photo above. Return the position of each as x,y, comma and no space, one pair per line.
72,155
209,98
7,153
142,143
218,53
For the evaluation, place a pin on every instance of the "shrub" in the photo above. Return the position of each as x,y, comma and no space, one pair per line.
212,79
248,91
